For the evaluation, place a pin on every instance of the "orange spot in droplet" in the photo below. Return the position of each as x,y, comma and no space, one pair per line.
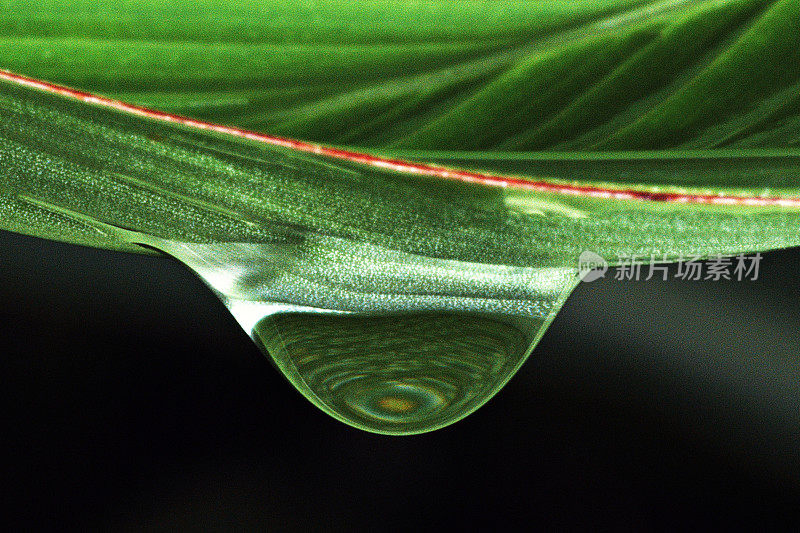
395,404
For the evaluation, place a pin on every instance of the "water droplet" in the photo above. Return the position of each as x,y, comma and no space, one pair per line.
400,373
384,340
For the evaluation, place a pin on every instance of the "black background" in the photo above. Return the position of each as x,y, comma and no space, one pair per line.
131,399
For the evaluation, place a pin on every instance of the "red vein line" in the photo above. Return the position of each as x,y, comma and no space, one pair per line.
407,166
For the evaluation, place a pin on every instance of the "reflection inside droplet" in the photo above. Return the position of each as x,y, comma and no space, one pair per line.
397,373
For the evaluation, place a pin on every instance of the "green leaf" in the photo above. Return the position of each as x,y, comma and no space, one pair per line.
400,282
606,74
484,74
69,165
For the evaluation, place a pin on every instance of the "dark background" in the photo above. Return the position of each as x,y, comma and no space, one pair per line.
131,398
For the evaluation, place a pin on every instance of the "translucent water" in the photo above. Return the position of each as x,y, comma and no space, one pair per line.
396,373
386,341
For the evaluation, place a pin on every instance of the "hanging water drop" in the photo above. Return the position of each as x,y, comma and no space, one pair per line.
385,341
400,373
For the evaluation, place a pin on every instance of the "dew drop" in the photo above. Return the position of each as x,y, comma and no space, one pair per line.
400,373
386,341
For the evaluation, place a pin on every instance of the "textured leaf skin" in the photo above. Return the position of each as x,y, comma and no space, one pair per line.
75,171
